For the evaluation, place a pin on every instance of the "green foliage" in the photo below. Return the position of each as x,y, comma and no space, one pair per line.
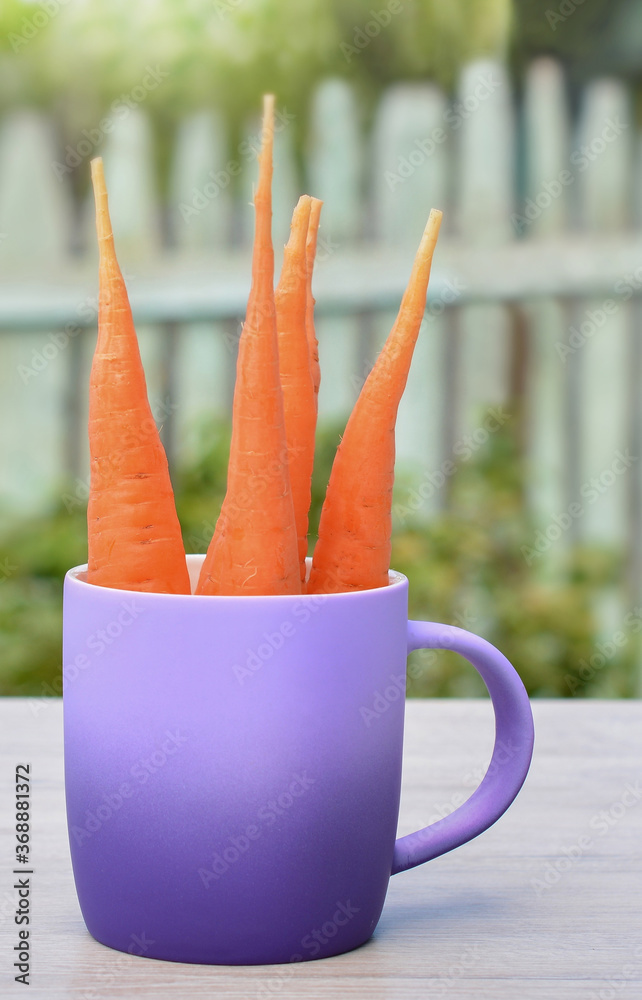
225,53
584,36
465,567
424,39
200,486
36,553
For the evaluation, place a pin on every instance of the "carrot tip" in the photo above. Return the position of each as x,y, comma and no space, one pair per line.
267,136
432,226
97,172
103,221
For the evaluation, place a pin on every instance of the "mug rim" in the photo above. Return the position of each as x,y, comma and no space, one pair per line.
194,561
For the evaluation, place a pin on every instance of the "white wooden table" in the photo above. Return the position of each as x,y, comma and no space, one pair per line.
547,904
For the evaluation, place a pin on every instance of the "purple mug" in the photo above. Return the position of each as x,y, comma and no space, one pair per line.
233,766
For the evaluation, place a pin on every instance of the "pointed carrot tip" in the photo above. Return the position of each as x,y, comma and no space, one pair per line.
103,222
315,217
264,187
431,232
268,120
97,171
298,231
434,222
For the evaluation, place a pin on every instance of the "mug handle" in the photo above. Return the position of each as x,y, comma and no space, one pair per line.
512,753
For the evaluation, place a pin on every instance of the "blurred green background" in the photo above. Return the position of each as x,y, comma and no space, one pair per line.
465,562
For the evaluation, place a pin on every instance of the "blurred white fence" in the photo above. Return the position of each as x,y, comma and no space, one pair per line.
535,292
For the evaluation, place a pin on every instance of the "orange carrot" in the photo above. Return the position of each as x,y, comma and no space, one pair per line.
311,250
353,549
254,546
133,531
299,402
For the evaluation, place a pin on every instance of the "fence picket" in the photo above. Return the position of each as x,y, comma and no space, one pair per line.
35,233
485,200
133,198
201,204
603,187
335,160
334,174
547,152
201,185
35,209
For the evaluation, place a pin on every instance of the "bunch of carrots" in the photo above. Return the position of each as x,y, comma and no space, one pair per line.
260,542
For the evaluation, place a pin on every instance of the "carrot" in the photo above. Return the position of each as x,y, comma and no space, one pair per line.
133,532
254,547
353,548
299,400
311,249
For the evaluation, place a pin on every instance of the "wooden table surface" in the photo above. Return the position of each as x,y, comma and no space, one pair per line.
546,904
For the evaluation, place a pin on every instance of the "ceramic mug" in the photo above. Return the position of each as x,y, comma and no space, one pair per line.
233,766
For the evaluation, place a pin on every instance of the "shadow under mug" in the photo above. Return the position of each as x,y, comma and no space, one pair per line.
233,766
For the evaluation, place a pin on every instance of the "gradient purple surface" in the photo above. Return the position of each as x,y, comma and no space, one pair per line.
233,766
